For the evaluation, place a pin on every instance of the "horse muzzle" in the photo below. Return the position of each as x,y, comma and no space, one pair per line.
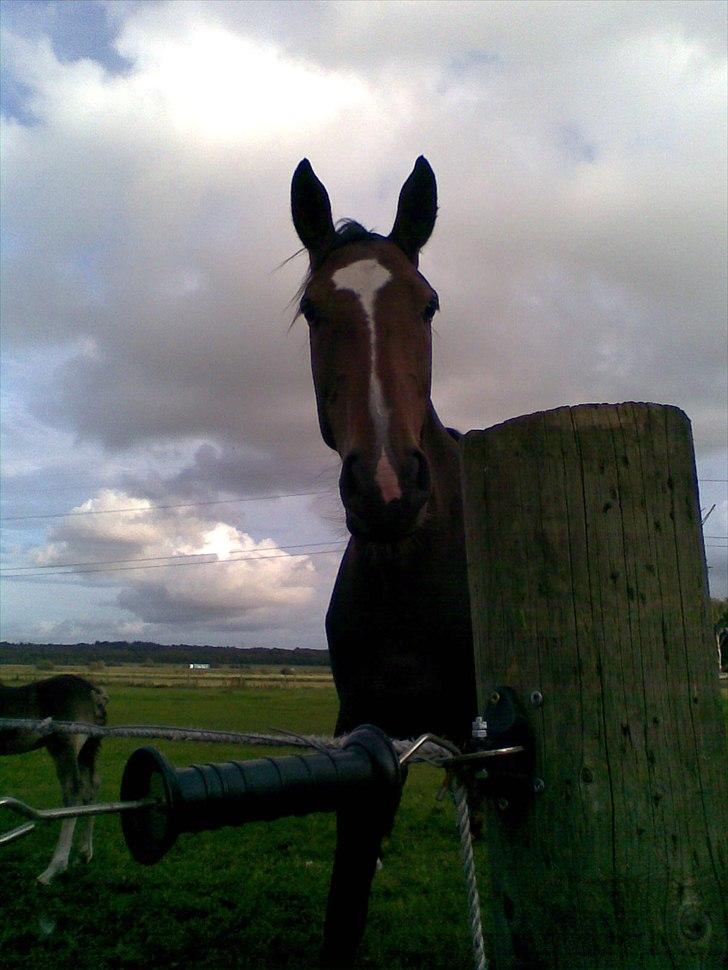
384,499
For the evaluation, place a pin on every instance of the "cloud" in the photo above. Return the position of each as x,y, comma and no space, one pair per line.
579,254
180,571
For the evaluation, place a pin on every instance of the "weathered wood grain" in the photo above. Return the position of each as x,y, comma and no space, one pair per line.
588,583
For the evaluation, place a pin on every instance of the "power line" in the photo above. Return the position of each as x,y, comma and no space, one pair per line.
175,565
196,555
181,555
61,569
193,505
157,508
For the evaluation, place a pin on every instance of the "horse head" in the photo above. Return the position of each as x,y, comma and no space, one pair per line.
369,312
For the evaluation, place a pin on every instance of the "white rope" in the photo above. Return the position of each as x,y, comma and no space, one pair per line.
460,797
161,732
281,739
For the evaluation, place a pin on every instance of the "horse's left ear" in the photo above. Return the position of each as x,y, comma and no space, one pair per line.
416,210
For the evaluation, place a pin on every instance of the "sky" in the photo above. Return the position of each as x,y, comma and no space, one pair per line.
159,428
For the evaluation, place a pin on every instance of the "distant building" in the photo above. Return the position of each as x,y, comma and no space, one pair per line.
199,666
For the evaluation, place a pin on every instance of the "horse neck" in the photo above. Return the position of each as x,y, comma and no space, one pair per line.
445,506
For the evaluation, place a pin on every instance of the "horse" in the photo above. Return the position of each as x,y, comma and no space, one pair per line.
64,698
398,624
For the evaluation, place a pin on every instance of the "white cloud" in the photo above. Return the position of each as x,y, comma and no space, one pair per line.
212,83
178,570
579,254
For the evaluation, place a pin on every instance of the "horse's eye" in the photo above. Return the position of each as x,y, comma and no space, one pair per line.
431,309
308,310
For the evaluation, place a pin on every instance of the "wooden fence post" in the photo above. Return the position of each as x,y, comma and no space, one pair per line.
588,583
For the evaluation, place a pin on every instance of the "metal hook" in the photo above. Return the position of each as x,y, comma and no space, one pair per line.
457,756
68,811
423,739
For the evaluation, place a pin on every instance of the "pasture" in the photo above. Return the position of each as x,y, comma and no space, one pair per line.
176,675
249,897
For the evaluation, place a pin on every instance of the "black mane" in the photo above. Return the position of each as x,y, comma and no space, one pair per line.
347,231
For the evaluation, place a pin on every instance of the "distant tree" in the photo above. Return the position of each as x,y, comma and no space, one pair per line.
719,610
114,653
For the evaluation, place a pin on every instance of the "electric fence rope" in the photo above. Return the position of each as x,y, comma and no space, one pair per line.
459,796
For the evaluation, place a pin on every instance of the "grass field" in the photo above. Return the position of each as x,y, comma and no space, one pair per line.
249,897
173,675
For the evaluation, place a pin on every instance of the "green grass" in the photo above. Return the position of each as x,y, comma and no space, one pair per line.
175,675
249,897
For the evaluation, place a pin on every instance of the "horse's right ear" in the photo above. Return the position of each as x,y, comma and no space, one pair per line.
311,211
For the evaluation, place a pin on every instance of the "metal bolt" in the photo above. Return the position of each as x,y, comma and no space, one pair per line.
495,697
536,698
502,804
538,786
480,728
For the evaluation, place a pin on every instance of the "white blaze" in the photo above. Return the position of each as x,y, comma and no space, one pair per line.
365,278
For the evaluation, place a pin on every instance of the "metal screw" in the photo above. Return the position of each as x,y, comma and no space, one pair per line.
538,786
495,697
502,804
536,698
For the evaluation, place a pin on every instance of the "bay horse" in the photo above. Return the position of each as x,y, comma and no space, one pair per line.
63,698
398,623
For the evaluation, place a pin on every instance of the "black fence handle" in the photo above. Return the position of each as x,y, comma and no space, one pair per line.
209,796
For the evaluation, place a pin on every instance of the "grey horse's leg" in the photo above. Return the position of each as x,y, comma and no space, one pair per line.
65,758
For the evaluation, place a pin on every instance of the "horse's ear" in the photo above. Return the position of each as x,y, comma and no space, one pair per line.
311,210
416,210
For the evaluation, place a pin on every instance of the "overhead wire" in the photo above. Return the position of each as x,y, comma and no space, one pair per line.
178,555
192,505
184,559
175,565
158,508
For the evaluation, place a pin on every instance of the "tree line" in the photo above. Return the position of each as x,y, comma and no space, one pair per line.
142,652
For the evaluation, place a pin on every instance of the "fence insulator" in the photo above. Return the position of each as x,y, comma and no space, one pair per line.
204,797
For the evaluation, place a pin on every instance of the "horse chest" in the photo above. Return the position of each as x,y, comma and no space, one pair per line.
402,593
401,645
